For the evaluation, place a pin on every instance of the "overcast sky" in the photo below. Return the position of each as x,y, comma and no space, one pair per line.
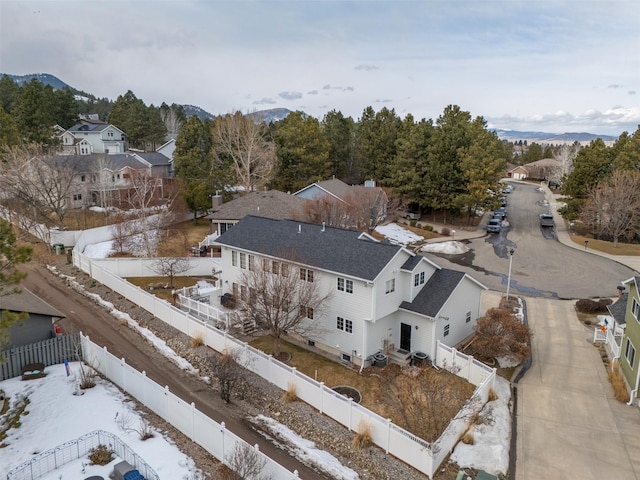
548,65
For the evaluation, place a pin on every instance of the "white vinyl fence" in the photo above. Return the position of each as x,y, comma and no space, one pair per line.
50,460
422,455
206,432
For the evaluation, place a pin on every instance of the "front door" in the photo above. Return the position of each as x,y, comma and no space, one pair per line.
405,337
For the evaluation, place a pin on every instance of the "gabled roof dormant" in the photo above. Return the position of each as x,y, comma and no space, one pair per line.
337,250
334,187
436,292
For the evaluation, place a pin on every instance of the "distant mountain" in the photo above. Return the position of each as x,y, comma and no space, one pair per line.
44,78
191,110
551,138
270,115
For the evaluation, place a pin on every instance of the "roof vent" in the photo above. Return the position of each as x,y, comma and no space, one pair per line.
299,228
322,227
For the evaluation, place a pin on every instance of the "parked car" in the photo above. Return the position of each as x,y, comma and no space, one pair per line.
494,225
546,220
507,189
500,212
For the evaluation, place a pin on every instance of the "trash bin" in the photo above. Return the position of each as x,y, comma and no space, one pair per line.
59,248
69,255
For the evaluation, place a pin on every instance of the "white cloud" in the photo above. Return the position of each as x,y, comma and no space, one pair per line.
517,60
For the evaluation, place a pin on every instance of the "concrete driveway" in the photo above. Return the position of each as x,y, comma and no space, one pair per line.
569,425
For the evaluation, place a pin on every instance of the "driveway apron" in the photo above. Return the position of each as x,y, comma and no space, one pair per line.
569,423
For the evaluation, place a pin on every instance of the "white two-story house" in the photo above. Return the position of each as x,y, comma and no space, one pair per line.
93,136
383,298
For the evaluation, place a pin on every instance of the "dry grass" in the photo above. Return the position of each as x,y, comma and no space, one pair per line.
467,438
374,383
178,240
178,282
197,340
422,232
606,247
364,435
492,395
290,394
617,382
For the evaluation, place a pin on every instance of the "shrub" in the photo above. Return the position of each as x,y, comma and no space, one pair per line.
100,455
492,395
445,231
363,437
587,305
197,340
290,394
413,223
467,438
428,228
617,382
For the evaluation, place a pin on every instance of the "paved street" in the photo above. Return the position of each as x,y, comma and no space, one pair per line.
569,423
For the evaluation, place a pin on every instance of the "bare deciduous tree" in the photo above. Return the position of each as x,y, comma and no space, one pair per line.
243,141
364,208
426,403
247,462
613,207
500,334
42,180
282,297
228,372
170,267
565,155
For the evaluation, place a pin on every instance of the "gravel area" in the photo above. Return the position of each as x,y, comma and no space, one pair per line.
256,396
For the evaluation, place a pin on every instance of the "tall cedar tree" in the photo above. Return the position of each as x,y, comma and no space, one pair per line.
11,255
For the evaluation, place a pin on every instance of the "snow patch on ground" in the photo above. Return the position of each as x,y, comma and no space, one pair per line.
490,451
396,234
449,248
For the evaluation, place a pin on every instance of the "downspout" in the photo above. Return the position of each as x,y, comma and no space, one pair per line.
364,326
634,392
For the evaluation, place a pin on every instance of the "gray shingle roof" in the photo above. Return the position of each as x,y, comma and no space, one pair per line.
155,158
434,293
95,161
618,309
334,249
270,204
412,262
26,301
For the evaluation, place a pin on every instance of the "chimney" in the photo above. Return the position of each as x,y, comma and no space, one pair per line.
620,290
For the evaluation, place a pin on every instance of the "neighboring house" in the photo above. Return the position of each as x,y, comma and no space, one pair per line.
271,204
539,170
333,188
38,326
630,346
93,136
161,165
383,297
105,180
167,148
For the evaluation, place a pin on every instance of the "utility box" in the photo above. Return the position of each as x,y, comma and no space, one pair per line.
59,248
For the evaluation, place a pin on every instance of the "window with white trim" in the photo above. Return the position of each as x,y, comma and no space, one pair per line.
234,258
77,196
390,286
306,274
468,317
630,353
635,309
344,324
243,261
275,267
446,330
306,312
418,279
345,285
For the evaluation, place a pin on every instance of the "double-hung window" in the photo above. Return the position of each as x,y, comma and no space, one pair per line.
390,286
630,353
345,285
